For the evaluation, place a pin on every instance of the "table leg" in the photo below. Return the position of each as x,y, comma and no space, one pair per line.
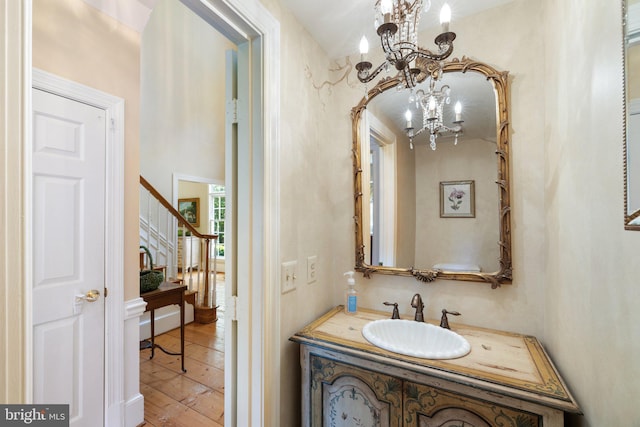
182,331
153,332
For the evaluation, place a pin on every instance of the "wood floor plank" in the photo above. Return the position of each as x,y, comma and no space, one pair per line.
195,398
206,355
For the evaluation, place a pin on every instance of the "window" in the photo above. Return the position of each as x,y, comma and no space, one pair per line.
217,216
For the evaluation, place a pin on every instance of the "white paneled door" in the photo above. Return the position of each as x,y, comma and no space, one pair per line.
69,143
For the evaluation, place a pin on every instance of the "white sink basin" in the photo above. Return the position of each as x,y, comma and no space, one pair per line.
416,339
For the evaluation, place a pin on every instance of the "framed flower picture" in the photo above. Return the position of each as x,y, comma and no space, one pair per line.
457,199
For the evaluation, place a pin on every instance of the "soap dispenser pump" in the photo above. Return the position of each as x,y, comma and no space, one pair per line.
351,295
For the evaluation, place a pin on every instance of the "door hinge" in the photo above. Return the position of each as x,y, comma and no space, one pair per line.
234,307
232,111
113,124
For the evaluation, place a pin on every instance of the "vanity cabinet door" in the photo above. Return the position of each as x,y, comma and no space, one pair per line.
426,406
346,395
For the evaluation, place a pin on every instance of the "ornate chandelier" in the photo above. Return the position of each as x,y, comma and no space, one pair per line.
432,105
399,38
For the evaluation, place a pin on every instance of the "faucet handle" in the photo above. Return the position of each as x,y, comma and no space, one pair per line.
396,314
444,321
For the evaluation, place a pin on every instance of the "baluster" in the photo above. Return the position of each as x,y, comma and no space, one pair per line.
202,279
167,257
207,286
215,272
148,220
187,260
158,235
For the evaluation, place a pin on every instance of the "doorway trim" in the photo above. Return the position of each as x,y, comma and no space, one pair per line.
257,400
114,235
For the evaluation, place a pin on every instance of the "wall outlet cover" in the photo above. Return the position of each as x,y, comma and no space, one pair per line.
312,270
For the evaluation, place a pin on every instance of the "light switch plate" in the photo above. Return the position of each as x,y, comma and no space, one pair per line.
312,271
288,276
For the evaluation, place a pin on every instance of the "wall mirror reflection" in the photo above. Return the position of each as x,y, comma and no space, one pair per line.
401,171
632,107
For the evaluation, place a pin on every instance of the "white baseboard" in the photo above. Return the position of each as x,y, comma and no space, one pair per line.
134,411
166,319
133,400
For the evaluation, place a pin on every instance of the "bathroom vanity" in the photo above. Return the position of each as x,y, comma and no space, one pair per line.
506,380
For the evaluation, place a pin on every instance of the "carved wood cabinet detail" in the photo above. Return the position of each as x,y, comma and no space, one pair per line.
347,395
344,395
508,381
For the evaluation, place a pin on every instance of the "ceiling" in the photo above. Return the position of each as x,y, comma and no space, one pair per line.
338,25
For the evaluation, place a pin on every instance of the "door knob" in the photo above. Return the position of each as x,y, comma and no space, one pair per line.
90,296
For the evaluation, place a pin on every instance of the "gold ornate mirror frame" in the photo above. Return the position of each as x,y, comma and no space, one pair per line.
499,80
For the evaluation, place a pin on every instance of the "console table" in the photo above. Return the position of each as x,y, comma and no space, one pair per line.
167,294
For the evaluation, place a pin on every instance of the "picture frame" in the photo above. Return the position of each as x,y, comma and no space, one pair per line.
190,210
457,199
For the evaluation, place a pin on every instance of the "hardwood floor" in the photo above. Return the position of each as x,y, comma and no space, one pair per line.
191,399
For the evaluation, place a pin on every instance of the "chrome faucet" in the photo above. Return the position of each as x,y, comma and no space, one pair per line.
416,302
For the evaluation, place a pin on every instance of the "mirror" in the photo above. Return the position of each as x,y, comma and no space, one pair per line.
631,16
409,215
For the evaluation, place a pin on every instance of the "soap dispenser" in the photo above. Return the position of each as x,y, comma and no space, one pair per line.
351,295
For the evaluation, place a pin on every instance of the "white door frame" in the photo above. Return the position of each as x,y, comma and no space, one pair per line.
372,127
257,395
114,234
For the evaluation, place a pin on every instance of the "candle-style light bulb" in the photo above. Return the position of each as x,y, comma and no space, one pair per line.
408,115
445,17
386,6
432,108
364,46
458,110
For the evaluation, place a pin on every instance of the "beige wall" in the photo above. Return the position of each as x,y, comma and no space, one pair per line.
406,197
592,321
75,41
633,67
316,204
633,70
457,240
182,121
317,186
188,190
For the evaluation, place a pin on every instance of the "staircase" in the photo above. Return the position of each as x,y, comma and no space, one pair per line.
166,234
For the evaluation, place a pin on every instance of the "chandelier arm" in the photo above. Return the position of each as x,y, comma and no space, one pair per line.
372,75
427,54
419,131
388,48
408,77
